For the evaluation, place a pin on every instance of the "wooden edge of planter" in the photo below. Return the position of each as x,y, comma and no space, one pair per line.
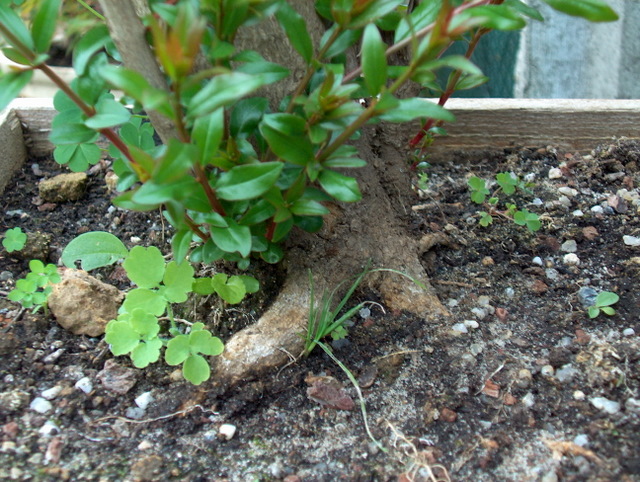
482,125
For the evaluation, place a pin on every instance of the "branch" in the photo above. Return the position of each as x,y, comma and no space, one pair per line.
129,35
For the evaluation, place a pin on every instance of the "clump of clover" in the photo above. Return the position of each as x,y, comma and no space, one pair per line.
508,183
34,289
138,329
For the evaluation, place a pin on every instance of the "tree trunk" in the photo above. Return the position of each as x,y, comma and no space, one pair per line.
373,229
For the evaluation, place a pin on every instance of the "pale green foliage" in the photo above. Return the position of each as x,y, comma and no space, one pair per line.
603,303
14,240
33,290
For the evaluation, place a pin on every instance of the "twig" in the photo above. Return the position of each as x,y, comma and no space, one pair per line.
453,283
149,420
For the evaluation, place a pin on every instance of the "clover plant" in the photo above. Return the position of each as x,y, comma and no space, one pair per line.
34,289
603,303
508,183
14,240
138,330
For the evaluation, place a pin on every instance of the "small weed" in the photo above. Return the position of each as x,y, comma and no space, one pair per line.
34,289
603,303
508,183
14,240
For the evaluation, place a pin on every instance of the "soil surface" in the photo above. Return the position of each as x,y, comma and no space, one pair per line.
518,384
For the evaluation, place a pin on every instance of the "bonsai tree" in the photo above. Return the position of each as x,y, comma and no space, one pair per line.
279,130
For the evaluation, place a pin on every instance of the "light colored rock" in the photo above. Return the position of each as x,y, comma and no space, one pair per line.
227,431
569,246
84,384
41,405
82,304
64,187
555,173
571,259
606,405
568,191
631,240
117,378
51,393
143,400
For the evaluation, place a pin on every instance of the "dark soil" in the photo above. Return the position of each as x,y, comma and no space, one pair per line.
517,397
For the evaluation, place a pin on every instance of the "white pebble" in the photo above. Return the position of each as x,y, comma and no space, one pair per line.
537,260
564,201
569,246
582,440
571,259
452,303
51,393
597,209
529,400
555,173
135,240
143,400
609,406
552,274
578,213
632,405
484,300
49,428
568,191
473,324
84,384
509,292
227,430
628,332
537,201
459,328
579,395
481,313
631,240
134,413
547,371
566,373
530,177
41,405
145,445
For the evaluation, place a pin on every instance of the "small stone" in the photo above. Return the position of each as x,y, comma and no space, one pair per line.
555,173
571,259
473,324
552,274
51,393
597,210
143,400
539,287
329,392
628,332
117,378
367,376
8,447
13,401
502,314
99,302
49,428
480,313
144,445
147,468
11,429
587,296
537,260
632,405
578,213
63,187
509,399
529,400
134,413
459,328
488,261
631,240
525,377
484,301
582,440
547,371
566,373
135,240
509,292
41,405
582,338
564,201
491,389
579,395
448,415
601,403
569,246
568,191
590,233
52,357
84,384
227,431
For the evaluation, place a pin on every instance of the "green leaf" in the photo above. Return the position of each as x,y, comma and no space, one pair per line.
11,84
196,369
89,43
593,312
14,240
341,187
286,135
73,133
607,310
308,207
44,24
12,22
251,284
207,133
121,336
144,323
296,30
177,350
78,157
507,182
235,238
496,17
606,298
109,114
94,249
201,341
232,290
246,115
593,10
221,91
524,9
147,300
260,211
344,162
178,280
145,266
414,108
374,10
374,61
248,181
146,352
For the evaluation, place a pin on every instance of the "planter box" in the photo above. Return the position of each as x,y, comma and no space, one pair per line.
483,125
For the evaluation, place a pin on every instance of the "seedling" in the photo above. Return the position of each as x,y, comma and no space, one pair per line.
188,350
33,290
603,303
508,183
14,240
